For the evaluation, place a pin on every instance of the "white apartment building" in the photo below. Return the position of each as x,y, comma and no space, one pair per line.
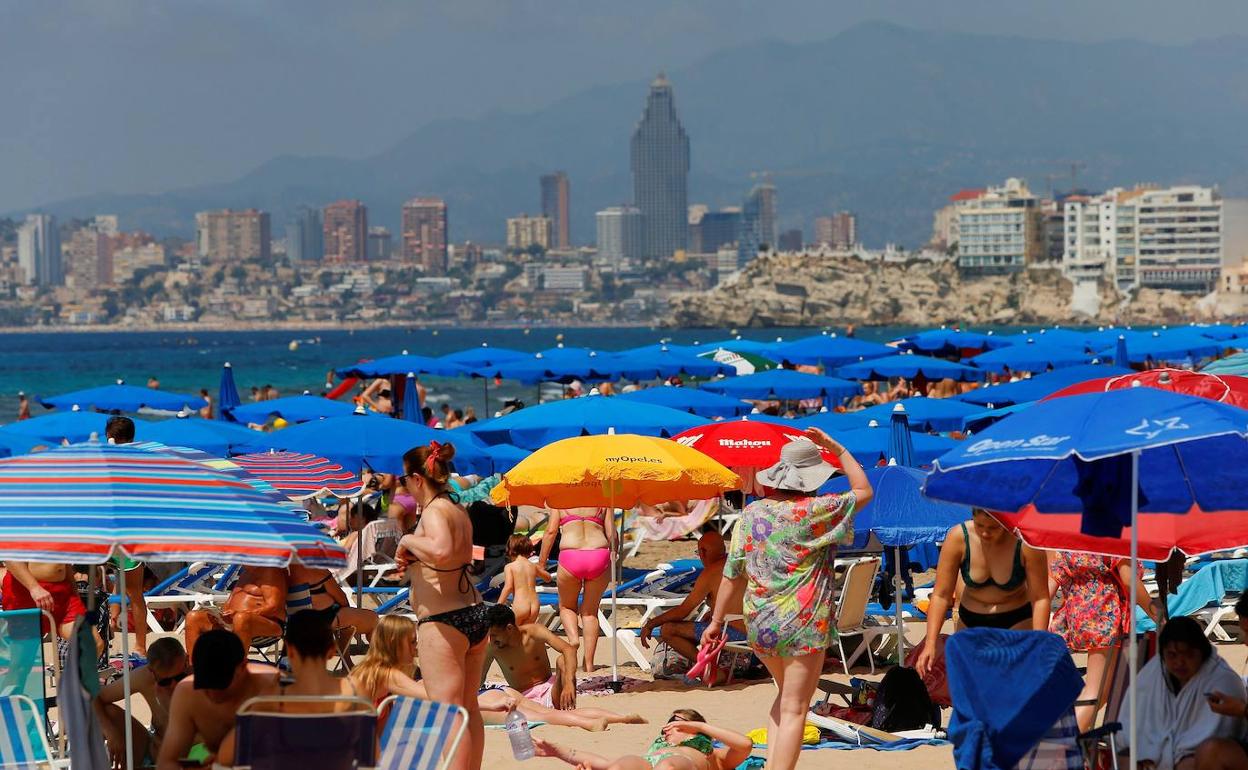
1168,238
525,231
620,235
1000,230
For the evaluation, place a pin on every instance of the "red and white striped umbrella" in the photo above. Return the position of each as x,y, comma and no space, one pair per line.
299,475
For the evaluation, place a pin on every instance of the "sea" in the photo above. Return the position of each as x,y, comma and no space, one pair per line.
48,363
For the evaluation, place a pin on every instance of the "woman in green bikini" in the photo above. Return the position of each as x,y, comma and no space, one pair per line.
686,743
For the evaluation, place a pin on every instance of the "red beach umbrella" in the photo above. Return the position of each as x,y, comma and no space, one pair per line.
745,446
1227,388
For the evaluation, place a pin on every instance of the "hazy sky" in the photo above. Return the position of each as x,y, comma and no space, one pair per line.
144,96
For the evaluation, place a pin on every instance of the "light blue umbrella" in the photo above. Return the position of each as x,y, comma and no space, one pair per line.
1234,364
1034,355
411,401
1039,386
537,426
72,425
692,400
828,350
123,398
227,393
787,385
292,409
909,365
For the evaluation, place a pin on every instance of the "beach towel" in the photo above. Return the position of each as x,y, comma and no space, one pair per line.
1170,725
993,726
1209,586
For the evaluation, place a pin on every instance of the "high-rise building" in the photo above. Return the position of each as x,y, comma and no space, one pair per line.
524,232
345,231
90,258
660,166
714,230
233,235
839,231
999,231
1154,237
380,244
555,204
945,234
107,224
424,234
620,235
758,222
305,236
39,251
790,240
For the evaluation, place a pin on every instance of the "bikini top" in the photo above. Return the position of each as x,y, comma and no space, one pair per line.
1018,575
661,748
598,517
465,582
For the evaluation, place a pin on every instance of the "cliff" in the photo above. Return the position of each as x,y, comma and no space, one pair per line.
812,290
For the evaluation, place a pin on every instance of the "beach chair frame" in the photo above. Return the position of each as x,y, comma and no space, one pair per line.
396,706
851,612
25,753
1114,685
51,676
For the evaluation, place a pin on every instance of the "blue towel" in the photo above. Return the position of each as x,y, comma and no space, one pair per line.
1208,586
993,726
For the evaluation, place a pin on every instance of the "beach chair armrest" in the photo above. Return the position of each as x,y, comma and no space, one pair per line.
1104,731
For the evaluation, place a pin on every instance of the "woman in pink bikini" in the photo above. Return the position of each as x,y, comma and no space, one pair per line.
584,570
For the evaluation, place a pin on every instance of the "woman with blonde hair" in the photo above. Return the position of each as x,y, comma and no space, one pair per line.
389,668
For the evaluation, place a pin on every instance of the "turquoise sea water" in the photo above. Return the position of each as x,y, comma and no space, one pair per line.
51,363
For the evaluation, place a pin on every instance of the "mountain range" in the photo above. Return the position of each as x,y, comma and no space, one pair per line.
882,120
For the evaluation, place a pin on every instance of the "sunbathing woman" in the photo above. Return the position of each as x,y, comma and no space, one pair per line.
584,562
687,742
1005,584
453,620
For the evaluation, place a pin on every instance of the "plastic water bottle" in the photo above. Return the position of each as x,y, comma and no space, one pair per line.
518,732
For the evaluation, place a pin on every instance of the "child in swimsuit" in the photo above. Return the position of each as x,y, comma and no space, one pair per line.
520,580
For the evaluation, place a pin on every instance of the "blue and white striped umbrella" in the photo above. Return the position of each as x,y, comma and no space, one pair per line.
82,504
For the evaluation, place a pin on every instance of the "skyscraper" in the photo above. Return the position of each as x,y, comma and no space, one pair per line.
39,251
758,222
346,232
305,237
839,231
555,203
660,166
619,234
233,235
424,234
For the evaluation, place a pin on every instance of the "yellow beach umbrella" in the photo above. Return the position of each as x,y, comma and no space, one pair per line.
616,470
613,471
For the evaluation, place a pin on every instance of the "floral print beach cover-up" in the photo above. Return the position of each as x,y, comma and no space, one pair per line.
786,549
1093,610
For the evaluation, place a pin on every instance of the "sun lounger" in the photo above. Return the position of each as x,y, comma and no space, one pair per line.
271,737
419,734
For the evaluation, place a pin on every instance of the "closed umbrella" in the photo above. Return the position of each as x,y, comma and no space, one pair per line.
227,393
411,401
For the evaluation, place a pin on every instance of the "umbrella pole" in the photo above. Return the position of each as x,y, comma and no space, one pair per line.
615,583
1133,653
125,664
486,413
898,586
359,553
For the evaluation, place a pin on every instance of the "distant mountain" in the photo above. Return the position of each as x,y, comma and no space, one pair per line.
882,120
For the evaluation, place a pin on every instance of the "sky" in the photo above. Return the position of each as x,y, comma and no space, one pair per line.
152,95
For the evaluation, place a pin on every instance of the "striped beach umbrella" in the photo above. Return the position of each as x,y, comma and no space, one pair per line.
82,504
227,467
300,475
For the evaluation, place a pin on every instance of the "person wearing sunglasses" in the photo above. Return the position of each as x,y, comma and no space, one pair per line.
167,664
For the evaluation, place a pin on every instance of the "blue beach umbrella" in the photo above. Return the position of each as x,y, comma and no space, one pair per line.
292,409
872,445
1121,356
927,415
537,426
1039,386
1034,355
899,514
909,365
900,442
227,393
400,365
785,384
1158,347
692,400
12,444
659,364
358,441
473,358
552,365
411,401
828,350
506,456
974,423
212,436
950,341
123,398
1064,338
740,345
1133,457
73,425
1234,364
828,422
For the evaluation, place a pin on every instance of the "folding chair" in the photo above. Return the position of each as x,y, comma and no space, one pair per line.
25,671
1116,681
851,612
419,734
270,736
23,737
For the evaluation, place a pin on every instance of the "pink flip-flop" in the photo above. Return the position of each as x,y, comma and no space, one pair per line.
707,664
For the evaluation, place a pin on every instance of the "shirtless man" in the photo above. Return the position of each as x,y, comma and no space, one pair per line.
204,706
167,664
683,635
256,607
49,587
523,655
314,588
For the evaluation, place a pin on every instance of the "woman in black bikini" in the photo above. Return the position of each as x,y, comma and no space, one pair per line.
454,622
1003,583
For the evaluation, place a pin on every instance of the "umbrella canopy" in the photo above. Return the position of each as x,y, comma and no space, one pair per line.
358,441
900,442
743,363
1234,364
1161,346
828,350
536,426
1045,466
1228,389
553,365
785,384
1218,331
400,365
924,414
617,470
124,398
740,345
1031,356
299,475
909,365
227,393
649,364
872,445
72,426
84,503
899,514
227,467
17,445
1066,338
974,423
697,401
950,341
747,445
293,409
1039,386
506,456
473,358
211,436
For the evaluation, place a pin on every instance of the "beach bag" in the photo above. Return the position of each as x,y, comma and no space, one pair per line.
902,703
